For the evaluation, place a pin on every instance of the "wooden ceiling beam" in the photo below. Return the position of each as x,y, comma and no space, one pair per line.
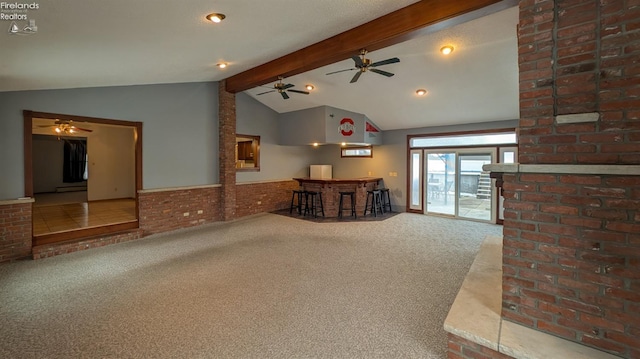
407,23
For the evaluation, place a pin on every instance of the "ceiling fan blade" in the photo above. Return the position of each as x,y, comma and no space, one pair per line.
385,62
82,129
356,77
335,72
388,74
262,93
358,61
284,95
298,91
287,86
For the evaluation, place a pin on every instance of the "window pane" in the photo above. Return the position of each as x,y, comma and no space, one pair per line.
357,152
464,140
416,193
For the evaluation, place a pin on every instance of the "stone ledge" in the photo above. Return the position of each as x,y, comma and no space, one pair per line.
186,188
265,181
23,200
622,170
475,315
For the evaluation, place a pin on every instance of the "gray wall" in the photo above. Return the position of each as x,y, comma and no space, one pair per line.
391,156
276,161
180,129
180,136
302,127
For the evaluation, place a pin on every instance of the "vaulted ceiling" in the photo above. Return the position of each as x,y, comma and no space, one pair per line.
108,43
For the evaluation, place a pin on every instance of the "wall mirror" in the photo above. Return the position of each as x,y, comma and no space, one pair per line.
247,153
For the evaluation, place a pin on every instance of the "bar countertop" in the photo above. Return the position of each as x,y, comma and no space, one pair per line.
330,181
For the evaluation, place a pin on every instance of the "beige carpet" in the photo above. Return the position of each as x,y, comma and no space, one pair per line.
267,286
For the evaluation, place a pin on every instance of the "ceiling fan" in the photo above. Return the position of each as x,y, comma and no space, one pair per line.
66,127
363,65
282,89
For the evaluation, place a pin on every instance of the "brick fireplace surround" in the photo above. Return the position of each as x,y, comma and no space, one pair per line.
571,246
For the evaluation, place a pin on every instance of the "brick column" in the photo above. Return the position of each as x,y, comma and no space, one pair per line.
227,140
15,229
571,255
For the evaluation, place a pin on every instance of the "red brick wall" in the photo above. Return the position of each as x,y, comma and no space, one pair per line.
45,251
15,230
571,257
163,211
227,150
572,242
580,57
252,198
459,348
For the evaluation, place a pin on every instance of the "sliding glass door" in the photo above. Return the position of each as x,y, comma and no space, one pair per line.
475,190
441,182
457,186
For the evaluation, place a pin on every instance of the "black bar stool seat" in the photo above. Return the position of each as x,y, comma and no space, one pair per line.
352,207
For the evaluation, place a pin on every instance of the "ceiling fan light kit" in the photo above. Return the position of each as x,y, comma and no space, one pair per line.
282,89
64,127
362,64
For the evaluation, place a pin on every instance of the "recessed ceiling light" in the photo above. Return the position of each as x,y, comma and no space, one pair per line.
215,17
222,65
446,50
309,87
315,144
421,92
344,143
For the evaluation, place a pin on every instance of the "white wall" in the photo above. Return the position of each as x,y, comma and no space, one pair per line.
111,152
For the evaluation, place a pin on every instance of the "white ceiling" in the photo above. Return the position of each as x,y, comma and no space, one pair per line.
121,42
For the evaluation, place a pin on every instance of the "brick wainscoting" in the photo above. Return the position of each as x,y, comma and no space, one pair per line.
460,348
165,210
15,229
259,197
45,251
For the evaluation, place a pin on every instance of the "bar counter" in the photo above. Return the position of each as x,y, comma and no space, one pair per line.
331,188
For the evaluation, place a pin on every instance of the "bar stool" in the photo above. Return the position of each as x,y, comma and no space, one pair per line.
376,202
312,199
297,194
352,197
386,200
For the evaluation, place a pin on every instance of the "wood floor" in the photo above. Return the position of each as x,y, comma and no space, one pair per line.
51,217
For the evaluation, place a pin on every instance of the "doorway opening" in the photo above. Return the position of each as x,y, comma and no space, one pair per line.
84,174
